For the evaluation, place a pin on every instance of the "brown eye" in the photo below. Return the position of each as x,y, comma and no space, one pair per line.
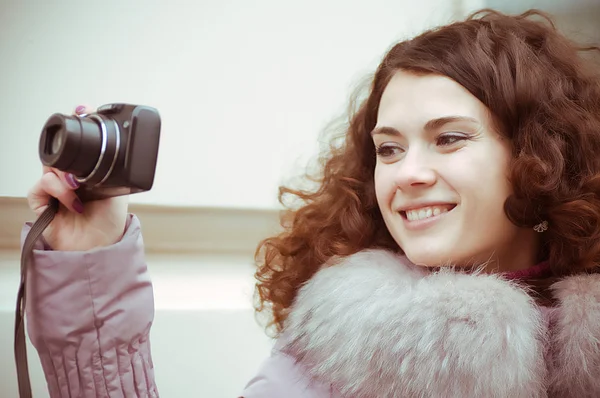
450,139
388,151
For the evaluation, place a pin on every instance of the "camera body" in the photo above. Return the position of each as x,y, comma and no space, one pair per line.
111,152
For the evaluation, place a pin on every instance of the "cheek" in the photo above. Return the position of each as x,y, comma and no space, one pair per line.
384,186
481,181
495,174
381,186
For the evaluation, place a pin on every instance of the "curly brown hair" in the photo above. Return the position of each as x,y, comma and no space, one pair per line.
544,97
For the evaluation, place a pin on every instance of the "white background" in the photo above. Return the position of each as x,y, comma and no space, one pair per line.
244,88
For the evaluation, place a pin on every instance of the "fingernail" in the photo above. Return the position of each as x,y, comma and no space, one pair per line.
80,109
71,180
78,206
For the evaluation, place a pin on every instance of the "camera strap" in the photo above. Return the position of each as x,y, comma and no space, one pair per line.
20,343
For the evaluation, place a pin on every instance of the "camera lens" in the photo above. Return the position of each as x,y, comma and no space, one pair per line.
54,140
83,146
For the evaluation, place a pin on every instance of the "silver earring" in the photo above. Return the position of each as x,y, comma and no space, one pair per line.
541,227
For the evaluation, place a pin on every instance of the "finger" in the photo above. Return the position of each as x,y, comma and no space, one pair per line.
68,178
37,198
51,185
84,109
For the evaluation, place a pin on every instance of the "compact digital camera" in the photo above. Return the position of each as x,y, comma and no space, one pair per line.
111,152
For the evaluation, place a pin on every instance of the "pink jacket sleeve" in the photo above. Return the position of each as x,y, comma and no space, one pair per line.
89,315
281,376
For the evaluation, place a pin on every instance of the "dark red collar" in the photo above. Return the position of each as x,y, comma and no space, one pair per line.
537,271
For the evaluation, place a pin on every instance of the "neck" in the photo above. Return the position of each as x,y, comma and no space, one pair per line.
523,254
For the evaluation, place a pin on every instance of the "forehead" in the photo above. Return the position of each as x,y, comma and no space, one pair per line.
415,99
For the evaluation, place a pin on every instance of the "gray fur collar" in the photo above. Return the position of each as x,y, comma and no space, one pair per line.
374,325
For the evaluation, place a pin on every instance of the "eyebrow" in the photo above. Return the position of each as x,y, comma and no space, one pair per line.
433,124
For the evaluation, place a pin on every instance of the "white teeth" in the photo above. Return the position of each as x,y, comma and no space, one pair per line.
425,212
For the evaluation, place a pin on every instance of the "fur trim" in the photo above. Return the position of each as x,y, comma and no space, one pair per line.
374,325
576,337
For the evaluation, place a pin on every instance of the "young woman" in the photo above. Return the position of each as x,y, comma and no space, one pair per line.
451,250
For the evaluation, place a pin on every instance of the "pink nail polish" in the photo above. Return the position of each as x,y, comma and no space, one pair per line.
71,181
78,206
80,109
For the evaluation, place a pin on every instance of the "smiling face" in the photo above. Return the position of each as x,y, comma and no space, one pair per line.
441,177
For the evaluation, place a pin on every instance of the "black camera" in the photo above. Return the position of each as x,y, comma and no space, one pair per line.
111,152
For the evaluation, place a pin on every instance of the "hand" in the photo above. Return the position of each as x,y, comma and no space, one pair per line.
77,227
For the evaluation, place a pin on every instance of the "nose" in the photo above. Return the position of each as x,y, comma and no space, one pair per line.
415,170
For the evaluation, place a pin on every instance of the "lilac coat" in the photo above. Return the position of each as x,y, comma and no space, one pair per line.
373,325
89,316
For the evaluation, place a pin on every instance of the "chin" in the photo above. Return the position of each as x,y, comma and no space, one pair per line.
439,259
430,260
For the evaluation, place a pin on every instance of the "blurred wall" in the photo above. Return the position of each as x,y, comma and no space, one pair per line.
579,19
244,87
